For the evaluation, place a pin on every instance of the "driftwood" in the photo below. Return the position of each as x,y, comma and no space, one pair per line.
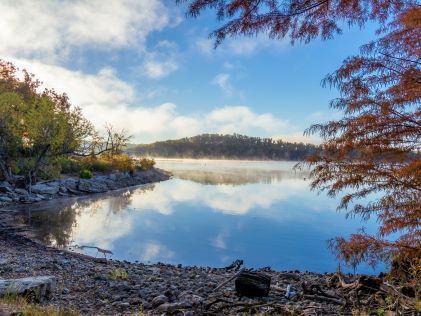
252,284
35,289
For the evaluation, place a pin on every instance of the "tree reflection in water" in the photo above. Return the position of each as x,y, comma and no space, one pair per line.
53,222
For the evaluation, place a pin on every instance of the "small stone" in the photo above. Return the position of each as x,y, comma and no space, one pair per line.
124,304
159,300
170,307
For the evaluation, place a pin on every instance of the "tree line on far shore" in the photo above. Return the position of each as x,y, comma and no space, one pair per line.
234,146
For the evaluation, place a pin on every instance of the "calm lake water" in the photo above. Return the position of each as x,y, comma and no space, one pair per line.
209,214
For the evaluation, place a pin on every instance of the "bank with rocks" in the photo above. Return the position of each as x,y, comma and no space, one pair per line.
95,286
17,193
100,286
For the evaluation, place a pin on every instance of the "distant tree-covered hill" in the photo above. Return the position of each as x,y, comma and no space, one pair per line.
226,146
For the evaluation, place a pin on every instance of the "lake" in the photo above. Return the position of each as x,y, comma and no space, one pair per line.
209,214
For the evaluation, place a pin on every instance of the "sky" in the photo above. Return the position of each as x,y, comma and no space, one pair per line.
143,66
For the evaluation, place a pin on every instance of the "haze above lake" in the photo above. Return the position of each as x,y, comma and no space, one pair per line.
209,214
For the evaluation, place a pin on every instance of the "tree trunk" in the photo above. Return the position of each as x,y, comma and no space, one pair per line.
6,172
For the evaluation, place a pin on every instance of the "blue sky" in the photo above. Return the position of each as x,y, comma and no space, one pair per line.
141,65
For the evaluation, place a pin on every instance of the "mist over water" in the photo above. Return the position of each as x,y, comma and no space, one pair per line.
209,214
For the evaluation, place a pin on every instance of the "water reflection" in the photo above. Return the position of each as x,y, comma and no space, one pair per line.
210,213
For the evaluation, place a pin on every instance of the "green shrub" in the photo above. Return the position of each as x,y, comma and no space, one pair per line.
119,274
100,165
146,163
86,174
70,165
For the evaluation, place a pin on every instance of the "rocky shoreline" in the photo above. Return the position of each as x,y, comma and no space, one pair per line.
74,186
95,286
106,287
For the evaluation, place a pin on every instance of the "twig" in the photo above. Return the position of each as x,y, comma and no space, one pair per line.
227,281
324,298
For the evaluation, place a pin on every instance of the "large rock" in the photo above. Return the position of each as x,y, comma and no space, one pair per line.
5,187
33,288
42,188
92,186
21,192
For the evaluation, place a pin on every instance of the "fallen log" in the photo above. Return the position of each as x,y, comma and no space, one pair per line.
34,289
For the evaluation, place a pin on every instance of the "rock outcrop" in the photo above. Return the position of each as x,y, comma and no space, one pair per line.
74,186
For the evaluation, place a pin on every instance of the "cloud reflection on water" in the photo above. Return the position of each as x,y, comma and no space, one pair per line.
235,210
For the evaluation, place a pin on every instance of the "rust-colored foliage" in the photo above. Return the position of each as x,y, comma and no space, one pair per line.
374,152
375,149
301,20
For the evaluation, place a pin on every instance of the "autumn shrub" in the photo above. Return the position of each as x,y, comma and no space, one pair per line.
108,163
146,163
98,164
122,162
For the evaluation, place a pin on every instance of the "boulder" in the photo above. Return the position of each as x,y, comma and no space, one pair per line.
92,186
5,187
45,189
70,184
35,289
21,192
4,198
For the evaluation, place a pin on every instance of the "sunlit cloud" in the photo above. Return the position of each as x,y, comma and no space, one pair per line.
49,30
104,98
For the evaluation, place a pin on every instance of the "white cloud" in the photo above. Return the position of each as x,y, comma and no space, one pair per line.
47,30
240,46
222,81
158,70
103,89
161,61
103,98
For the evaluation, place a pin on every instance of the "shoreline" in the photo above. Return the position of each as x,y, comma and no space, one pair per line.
75,186
92,286
95,286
